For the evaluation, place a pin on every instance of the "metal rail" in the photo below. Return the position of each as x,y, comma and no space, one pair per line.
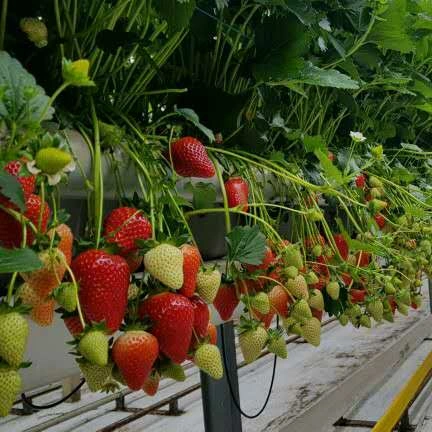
140,412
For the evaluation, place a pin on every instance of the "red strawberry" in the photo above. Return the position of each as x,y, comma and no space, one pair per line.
151,384
279,300
27,181
172,317
11,230
318,314
357,296
73,324
226,301
190,158
104,283
360,181
331,156
134,261
380,220
134,353
266,319
237,191
346,278
201,316
268,260
342,245
363,258
124,225
191,265
212,333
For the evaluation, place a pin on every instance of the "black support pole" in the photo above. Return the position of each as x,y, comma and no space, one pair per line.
220,413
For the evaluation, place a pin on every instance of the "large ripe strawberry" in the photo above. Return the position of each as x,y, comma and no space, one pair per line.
11,229
27,180
362,258
165,263
134,353
226,301
341,245
191,266
65,243
252,343
266,319
123,226
268,260
10,385
47,278
190,158
104,283
201,316
134,261
237,191
14,331
357,296
172,318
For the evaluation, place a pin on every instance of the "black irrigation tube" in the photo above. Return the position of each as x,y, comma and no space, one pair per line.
145,411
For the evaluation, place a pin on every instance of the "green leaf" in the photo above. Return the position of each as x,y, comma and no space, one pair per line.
203,195
192,116
412,147
176,14
246,245
331,171
391,31
11,188
18,260
22,101
312,143
357,246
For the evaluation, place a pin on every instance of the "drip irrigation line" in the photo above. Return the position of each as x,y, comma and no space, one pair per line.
28,401
233,397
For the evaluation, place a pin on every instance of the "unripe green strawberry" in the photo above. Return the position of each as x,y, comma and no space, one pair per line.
388,316
343,319
374,182
365,321
66,296
95,376
52,160
317,250
291,325
277,345
133,291
316,299
314,215
354,311
293,257
402,308
301,311
376,309
426,246
252,343
418,283
94,347
173,371
298,287
417,300
14,333
35,30
291,272
165,263
376,205
311,331
311,278
404,296
10,385
333,290
260,302
389,288
208,358
208,283
376,192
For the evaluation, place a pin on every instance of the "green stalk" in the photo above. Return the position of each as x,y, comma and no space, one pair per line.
52,99
3,23
224,195
97,176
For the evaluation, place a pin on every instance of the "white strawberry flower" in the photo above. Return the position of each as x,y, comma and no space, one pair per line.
53,179
357,137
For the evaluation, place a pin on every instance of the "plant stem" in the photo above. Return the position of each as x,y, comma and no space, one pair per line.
72,276
224,195
3,23
52,99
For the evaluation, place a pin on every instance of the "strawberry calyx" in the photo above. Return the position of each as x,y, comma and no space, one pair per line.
18,307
